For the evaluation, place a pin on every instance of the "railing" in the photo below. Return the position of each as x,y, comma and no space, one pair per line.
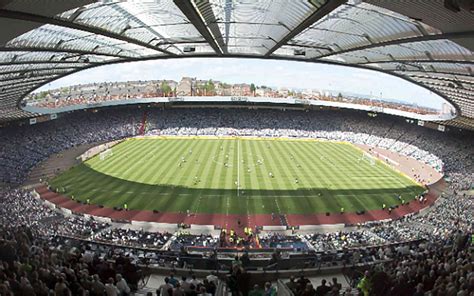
221,289
283,289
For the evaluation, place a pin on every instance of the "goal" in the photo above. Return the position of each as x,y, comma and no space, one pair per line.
103,155
367,157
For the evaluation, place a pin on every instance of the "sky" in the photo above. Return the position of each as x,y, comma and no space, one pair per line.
290,74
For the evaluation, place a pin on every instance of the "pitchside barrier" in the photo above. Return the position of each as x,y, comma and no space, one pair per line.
207,228
213,137
99,218
322,227
68,212
274,228
155,225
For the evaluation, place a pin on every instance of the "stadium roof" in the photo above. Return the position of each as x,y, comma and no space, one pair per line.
427,42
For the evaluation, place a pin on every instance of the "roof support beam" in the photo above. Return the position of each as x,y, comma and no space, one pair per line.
14,81
449,84
33,70
211,33
314,17
429,72
458,79
450,36
449,90
29,75
80,64
67,24
61,50
410,62
441,79
20,84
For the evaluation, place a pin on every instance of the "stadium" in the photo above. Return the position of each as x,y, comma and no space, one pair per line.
204,186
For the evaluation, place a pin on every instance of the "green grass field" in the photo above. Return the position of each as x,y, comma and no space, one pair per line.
202,175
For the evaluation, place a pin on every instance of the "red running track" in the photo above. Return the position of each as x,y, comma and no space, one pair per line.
230,221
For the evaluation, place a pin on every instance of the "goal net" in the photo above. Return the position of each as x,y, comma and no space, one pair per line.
368,158
103,155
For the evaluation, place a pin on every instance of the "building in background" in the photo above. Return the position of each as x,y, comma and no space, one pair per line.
186,86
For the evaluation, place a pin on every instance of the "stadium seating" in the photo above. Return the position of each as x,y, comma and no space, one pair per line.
41,249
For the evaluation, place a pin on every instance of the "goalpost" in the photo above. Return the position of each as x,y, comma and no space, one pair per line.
103,155
367,157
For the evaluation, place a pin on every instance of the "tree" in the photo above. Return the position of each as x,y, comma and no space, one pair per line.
252,88
165,88
209,87
42,95
199,89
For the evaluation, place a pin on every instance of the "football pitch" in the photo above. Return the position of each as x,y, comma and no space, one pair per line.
236,176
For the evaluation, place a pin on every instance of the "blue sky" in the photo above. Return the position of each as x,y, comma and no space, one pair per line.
262,72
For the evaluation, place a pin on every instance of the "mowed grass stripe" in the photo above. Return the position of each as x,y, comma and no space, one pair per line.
287,165
324,202
284,163
278,180
145,175
312,163
210,202
251,182
173,173
122,191
268,199
349,156
302,196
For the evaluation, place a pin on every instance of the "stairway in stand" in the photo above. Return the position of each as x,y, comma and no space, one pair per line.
283,220
144,123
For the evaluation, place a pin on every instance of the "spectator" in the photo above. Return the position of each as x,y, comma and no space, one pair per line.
122,285
269,290
323,289
111,289
166,289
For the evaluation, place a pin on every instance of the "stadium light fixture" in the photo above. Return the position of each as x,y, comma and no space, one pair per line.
189,49
299,52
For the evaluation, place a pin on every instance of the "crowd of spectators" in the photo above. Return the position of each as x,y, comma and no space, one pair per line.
30,264
280,241
132,237
303,286
343,239
189,240
436,268
188,286
24,147
34,256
